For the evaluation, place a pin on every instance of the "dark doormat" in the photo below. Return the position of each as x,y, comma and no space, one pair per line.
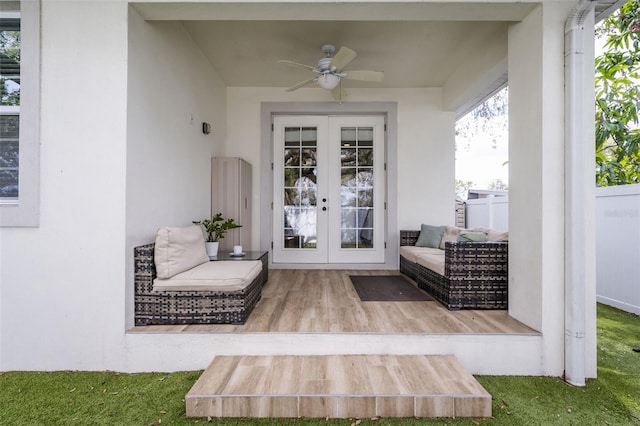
387,288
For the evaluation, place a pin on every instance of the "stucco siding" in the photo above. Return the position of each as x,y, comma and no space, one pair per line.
62,282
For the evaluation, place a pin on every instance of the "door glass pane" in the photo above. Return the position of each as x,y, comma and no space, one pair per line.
356,192
291,157
308,156
348,156
300,187
365,198
348,176
291,176
308,177
365,157
347,197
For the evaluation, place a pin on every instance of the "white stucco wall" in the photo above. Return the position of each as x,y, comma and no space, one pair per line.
536,208
62,282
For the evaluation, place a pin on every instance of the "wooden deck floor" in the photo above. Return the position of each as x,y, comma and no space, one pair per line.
324,301
339,386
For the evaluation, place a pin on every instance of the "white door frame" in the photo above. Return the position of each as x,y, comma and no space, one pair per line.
264,188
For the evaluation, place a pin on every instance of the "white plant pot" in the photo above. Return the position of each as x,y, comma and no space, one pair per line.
212,249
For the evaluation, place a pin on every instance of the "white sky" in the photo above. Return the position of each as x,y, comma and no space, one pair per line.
482,163
481,154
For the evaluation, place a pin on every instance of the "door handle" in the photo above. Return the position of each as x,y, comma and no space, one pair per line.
324,209
324,200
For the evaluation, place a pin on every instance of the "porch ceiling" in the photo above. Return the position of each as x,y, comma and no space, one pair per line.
416,44
604,8
412,54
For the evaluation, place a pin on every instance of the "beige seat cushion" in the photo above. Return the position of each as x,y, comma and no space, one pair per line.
178,250
432,259
224,275
493,235
411,253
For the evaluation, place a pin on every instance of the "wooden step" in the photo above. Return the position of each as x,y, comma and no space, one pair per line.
337,386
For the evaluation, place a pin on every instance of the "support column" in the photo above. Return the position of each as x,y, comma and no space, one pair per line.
579,186
536,180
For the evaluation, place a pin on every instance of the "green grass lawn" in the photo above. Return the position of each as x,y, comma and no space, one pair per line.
83,398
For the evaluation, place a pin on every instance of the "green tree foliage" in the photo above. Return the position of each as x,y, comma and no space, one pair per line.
462,188
498,185
618,98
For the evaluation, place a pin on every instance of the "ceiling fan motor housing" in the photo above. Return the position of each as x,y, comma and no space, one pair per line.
328,50
324,64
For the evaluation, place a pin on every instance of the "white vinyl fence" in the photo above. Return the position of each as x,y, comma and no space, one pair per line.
617,240
490,212
618,246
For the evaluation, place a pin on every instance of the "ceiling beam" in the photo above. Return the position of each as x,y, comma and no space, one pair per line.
335,11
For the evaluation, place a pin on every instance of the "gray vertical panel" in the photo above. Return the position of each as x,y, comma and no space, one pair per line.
231,195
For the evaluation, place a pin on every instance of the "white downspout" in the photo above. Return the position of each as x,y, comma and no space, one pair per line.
575,195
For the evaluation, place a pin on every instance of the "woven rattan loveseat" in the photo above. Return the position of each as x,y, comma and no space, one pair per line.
475,273
190,306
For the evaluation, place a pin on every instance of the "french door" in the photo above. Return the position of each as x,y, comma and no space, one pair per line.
329,189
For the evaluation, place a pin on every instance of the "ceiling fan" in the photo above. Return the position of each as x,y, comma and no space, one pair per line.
330,70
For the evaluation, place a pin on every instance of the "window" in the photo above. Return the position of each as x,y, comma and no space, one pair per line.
9,105
19,113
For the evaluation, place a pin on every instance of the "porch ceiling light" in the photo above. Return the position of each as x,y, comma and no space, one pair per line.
328,81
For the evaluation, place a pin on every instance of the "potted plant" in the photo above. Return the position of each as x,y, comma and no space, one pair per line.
215,228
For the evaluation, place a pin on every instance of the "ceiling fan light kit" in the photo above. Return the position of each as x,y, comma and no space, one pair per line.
330,72
328,81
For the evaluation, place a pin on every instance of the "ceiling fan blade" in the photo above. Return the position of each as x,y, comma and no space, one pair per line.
364,75
301,84
296,64
342,58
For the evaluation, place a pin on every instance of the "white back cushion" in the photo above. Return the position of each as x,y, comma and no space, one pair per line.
178,250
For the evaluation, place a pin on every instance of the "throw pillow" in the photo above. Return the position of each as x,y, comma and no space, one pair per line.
430,236
178,250
450,234
476,237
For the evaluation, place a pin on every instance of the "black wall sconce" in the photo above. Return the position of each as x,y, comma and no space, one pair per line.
206,128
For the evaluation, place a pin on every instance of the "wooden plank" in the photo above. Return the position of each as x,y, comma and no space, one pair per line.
337,386
324,301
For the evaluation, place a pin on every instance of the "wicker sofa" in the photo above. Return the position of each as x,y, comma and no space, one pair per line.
223,299
475,274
